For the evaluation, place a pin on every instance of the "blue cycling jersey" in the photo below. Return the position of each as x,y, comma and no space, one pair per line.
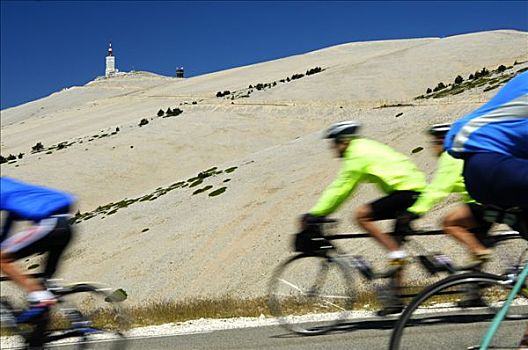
499,126
30,202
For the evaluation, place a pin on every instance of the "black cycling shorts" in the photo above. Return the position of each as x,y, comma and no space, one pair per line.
391,206
51,235
498,179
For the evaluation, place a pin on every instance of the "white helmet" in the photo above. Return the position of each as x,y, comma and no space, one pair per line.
343,130
439,130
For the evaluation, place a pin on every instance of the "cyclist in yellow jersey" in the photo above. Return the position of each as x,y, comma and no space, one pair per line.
466,223
366,160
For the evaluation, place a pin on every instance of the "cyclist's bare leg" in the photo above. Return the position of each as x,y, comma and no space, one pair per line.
366,221
458,223
8,267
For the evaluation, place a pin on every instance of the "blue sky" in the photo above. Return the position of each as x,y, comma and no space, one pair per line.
50,45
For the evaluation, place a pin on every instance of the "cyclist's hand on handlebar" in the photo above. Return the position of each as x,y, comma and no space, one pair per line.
309,219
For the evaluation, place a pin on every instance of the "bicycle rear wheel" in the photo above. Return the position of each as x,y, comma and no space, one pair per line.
88,317
11,334
443,316
318,287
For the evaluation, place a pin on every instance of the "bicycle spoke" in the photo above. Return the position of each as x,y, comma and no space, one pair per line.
291,285
462,324
310,285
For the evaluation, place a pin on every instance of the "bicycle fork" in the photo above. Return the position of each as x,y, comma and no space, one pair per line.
504,309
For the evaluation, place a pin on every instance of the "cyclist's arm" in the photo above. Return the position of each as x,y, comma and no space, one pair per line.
335,194
448,173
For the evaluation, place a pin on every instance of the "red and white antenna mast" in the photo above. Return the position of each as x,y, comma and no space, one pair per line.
110,49
110,62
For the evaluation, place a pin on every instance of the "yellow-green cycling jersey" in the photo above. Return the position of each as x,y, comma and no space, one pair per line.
369,161
447,179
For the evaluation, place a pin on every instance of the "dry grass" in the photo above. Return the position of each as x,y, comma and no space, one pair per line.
165,312
156,313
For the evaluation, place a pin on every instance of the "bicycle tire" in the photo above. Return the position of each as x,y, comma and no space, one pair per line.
316,286
12,335
421,326
87,315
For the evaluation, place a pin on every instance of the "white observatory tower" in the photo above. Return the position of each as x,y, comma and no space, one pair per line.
110,63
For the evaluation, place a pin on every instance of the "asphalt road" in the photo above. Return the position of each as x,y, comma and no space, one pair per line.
444,331
363,335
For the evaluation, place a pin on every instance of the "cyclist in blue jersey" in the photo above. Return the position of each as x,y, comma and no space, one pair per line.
49,210
493,141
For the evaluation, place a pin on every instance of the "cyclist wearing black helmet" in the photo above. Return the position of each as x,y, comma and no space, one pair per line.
448,179
395,175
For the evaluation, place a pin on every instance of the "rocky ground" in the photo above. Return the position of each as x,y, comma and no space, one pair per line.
150,224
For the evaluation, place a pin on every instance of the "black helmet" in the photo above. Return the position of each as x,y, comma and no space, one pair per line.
343,130
439,130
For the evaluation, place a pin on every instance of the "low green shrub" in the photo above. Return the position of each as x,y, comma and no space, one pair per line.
38,147
203,189
217,192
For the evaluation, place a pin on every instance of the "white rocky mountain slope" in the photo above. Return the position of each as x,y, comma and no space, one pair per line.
174,244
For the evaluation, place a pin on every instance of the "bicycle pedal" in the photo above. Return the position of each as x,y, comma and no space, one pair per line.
429,265
81,324
7,320
397,262
390,310
472,303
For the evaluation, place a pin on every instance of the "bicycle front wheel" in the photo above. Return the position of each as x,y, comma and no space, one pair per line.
89,317
317,287
455,313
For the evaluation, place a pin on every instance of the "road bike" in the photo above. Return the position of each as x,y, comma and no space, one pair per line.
320,280
501,315
431,321
85,315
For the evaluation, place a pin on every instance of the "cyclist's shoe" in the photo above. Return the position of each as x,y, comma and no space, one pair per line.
396,258
482,256
478,260
39,304
41,298
472,297
474,302
388,297
390,310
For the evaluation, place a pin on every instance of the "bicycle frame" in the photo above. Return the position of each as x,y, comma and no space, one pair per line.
80,323
433,267
490,333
